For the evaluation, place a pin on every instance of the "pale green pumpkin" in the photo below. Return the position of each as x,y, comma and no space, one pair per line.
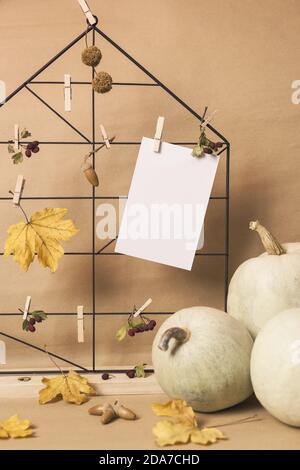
275,366
266,285
202,355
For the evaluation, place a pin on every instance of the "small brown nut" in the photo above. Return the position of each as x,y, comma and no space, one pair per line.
97,410
108,415
90,174
126,413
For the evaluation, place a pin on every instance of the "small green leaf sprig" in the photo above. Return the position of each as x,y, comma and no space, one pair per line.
28,149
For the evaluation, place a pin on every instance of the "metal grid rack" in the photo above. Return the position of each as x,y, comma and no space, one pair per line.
93,198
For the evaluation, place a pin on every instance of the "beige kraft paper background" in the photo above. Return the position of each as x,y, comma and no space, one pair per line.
239,57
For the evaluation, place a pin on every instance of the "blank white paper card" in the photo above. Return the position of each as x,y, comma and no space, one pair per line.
166,206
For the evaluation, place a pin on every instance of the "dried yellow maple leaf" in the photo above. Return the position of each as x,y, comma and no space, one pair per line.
72,387
167,432
15,427
183,428
176,408
40,235
206,436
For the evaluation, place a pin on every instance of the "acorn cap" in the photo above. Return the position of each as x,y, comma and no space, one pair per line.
91,56
86,166
102,83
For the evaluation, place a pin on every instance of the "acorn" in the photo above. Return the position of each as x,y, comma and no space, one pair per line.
102,83
97,410
91,56
125,413
90,173
108,415
110,412
106,411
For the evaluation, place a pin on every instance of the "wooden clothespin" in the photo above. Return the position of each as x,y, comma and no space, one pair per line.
86,10
2,92
68,92
17,137
207,120
27,307
142,308
18,190
2,352
158,133
104,135
80,324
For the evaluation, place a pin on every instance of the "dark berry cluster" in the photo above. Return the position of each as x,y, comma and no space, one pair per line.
105,376
29,324
138,371
148,325
17,152
32,147
212,146
131,373
205,145
137,322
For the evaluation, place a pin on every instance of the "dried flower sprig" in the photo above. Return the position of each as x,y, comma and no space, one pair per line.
205,145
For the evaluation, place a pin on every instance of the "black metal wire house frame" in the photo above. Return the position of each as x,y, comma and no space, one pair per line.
93,198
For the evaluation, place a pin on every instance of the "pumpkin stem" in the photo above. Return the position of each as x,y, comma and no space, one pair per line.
271,245
179,334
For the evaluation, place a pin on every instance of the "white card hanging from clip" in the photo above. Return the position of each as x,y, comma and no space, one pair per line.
158,133
18,190
166,206
86,10
27,307
142,308
2,352
104,135
80,324
67,92
17,137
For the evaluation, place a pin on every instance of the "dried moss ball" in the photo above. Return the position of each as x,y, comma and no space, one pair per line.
102,82
91,56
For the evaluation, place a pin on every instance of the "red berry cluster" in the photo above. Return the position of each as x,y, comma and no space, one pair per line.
32,318
212,146
105,376
138,371
147,325
131,373
32,147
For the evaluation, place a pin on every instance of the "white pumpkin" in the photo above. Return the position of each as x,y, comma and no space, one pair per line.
202,355
275,366
264,286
